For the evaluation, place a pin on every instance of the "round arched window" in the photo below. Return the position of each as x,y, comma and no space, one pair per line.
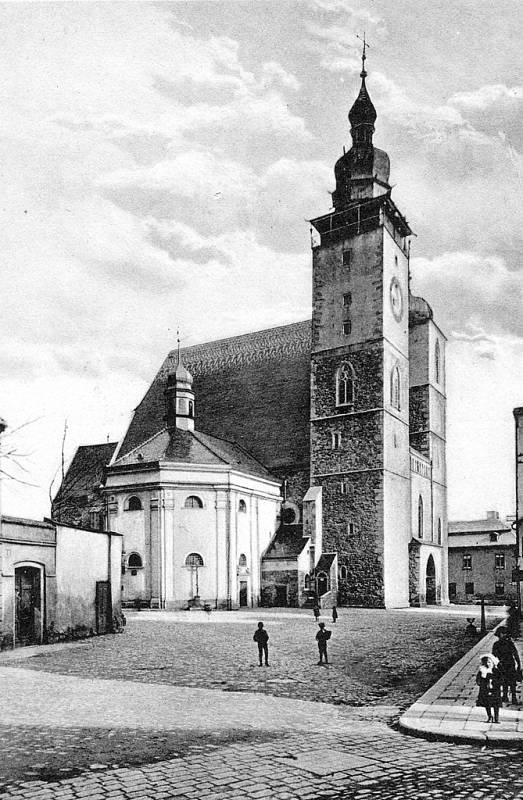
194,560
242,506
134,561
242,561
193,502
134,504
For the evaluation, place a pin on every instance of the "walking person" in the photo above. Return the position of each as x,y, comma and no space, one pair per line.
261,637
509,663
334,614
322,637
488,679
513,620
316,612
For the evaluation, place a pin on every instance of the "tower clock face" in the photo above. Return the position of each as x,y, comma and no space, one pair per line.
396,299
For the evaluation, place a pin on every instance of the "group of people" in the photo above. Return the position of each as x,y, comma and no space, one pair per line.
498,673
261,637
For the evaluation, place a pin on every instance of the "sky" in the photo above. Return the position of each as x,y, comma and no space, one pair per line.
159,163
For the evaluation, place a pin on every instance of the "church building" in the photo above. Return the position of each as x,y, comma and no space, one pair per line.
305,462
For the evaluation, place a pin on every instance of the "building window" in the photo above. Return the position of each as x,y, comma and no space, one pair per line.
347,256
452,590
134,504
395,261
336,440
242,561
191,408
134,561
347,299
343,573
439,530
193,502
395,388
437,361
493,536
347,327
242,506
467,561
350,528
469,588
420,517
95,520
499,560
345,378
346,488
499,588
194,560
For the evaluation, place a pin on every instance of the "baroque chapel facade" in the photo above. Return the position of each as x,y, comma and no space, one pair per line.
318,469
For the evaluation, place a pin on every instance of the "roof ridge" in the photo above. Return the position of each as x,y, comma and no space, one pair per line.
240,336
240,447
138,446
197,435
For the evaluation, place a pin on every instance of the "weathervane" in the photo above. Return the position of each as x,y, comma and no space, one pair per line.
363,55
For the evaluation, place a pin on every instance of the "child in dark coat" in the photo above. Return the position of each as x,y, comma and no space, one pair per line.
509,663
261,637
489,680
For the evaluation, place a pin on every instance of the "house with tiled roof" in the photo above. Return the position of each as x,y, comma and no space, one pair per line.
306,459
482,555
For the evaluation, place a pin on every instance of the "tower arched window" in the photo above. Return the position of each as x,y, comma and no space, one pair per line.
420,517
242,561
439,530
395,388
437,361
194,560
193,502
242,506
134,504
345,378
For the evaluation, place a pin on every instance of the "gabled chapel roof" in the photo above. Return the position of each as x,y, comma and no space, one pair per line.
192,447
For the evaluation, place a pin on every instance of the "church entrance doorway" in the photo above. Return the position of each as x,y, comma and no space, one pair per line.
322,583
281,596
28,594
243,594
430,582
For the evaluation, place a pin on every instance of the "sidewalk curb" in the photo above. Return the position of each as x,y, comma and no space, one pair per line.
436,721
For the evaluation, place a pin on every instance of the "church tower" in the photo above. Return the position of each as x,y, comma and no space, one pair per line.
360,373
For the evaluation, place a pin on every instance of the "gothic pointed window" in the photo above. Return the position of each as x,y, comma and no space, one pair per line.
437,361
345,378
420,517
395,388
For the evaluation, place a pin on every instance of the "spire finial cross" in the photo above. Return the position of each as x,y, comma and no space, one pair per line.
364,53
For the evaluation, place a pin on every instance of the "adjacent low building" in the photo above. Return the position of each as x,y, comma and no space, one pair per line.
482,555
56,581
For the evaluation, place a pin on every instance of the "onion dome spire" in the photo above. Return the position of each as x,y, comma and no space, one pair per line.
363,172
362,115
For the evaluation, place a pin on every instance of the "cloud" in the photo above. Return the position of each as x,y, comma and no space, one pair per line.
471,292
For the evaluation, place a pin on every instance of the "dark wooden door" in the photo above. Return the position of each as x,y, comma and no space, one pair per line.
281,596
28,594
243,594
103,607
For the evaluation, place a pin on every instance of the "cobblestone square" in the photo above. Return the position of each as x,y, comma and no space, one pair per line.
178,708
